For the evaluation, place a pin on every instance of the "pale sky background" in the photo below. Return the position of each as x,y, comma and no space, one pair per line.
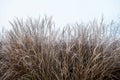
63,11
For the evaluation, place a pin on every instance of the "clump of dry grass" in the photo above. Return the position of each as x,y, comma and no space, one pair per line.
35,50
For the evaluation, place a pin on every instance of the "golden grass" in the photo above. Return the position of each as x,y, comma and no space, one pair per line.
35,50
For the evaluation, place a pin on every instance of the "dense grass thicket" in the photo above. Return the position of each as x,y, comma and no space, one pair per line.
36,50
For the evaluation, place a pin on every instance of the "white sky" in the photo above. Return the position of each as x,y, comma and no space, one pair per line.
63,11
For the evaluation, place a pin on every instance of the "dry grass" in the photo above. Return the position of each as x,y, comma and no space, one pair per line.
35,50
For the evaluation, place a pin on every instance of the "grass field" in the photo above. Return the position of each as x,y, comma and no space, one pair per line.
36,50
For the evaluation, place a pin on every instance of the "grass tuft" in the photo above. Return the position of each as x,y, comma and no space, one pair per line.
36,50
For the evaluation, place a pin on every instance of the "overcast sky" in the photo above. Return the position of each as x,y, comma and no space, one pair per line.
63,11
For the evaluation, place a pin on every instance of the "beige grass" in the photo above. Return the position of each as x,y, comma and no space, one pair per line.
35,50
